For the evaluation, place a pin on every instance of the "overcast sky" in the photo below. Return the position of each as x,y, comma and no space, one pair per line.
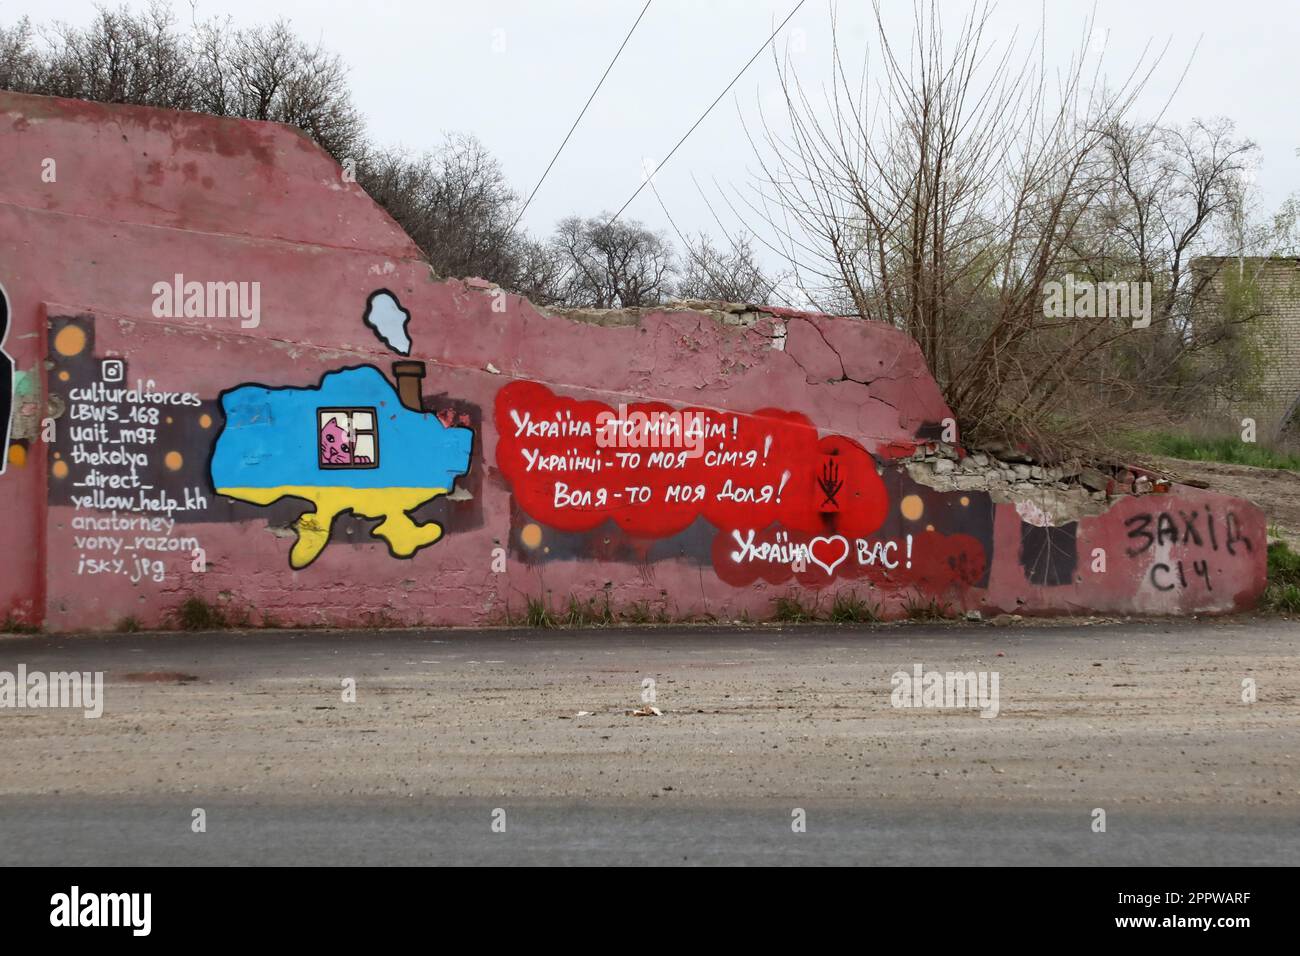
516,72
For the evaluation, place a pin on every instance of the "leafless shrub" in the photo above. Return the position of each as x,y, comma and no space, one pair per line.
942,191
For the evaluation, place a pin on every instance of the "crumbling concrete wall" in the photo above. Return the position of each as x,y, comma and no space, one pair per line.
240,382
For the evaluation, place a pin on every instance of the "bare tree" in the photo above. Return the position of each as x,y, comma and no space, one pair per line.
456,205
614,265
541,274
263,73
726,275
121,57
1171,193
942,198
268,73
455,202
20,64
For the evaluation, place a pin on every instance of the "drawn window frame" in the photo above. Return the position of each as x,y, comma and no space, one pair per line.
372,432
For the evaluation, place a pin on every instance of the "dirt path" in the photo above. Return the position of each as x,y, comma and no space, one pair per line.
1275,490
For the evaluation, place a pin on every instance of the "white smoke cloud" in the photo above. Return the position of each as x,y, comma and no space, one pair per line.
386,316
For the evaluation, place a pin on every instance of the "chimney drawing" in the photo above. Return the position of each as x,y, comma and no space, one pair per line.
410,376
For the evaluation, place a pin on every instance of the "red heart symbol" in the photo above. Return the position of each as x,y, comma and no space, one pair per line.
828,553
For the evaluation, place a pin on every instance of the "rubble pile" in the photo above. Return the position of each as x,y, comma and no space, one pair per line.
1068,491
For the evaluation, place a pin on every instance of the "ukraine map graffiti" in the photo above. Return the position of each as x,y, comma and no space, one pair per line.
345,445
353,443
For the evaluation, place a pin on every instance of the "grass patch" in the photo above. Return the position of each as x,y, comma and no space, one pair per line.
1283,591
11,625
197,614
848,608
539,615
929,610
593,612
1283,598
638,613
788,609
1230,450
588,613
128,625
1283,564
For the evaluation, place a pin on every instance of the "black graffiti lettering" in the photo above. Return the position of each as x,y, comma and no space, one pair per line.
1192,534
1165,527
1233,534
1158,585
1138,525
1201,569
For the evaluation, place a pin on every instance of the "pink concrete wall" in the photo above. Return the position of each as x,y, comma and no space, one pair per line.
813,410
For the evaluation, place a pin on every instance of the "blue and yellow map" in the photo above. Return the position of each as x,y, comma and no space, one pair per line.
269,449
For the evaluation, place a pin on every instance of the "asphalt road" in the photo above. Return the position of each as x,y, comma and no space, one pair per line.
439,832
519,747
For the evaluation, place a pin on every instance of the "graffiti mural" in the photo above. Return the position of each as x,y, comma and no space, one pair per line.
388,319
347,444
355,443
1187,547
782,502
571,468
271,462
126,460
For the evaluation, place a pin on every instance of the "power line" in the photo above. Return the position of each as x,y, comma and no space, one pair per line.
580,115
699,258
703,115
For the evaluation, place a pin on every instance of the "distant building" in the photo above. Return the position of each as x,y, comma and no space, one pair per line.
1274,284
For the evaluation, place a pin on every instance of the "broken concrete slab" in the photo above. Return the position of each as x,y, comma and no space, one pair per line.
685,460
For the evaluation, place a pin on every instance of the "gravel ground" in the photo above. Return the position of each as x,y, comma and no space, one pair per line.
1129,714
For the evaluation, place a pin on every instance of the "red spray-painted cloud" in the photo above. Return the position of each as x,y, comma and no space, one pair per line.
736,470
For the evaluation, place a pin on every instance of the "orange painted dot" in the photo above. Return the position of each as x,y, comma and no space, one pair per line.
169,419
17,455
531,535
60,469
58,454
205,421
70,340
911,507
64,376
929,527
964,501
173,460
